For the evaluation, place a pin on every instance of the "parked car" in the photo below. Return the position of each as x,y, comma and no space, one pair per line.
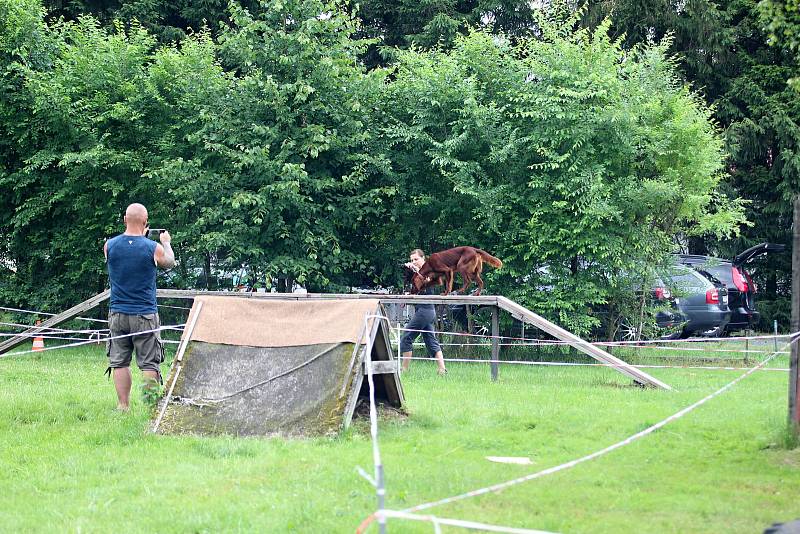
733,275
703,305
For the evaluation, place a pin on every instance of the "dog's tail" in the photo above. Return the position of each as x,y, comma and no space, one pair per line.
488,258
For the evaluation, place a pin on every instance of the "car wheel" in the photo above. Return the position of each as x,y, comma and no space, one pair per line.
626,331
482,321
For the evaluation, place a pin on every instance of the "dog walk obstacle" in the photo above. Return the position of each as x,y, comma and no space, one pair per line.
498,303
250,367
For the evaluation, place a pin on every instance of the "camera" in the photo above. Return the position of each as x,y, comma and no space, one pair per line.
153,233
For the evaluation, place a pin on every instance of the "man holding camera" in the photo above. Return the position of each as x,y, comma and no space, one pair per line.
132,261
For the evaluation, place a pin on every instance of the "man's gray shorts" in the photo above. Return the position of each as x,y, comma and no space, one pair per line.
149,349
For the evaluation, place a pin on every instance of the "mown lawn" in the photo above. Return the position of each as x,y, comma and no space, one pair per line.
70,463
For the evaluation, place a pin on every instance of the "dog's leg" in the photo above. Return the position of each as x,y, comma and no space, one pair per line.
467,279
450,274
469,268
479,281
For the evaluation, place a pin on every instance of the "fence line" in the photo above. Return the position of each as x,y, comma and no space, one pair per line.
89,341
691,349
579,364
602,343
437,521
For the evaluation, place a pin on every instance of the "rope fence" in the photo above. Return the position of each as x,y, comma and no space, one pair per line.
90,341
381,515
586,364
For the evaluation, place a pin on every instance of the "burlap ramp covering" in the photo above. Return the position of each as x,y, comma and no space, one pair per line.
267,323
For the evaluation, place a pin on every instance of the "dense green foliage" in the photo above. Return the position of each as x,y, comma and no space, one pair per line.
782,19
570,158
723,51
268,148
252,149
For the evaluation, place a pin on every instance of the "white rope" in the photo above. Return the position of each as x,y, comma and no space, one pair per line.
70,345
46,336
373,420
596,454
52,333
578,364
735,351
52,329
604,343
50,314
471,525
173,307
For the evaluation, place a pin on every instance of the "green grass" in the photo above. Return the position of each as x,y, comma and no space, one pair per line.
69,462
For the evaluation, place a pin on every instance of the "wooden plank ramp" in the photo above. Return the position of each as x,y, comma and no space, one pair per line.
524,314
55,320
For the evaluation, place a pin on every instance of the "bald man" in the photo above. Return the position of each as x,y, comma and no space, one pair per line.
132,261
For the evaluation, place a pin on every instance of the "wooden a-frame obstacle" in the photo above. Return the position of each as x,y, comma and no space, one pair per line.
498,303
250,367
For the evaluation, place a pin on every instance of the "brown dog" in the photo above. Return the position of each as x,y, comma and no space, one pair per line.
468,261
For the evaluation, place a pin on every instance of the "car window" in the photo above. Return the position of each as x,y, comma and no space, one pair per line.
687,279
721,272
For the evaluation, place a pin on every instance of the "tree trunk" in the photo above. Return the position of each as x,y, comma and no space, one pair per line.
794,383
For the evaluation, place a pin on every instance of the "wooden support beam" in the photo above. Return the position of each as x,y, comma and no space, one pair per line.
495,366
383,367
76,310
794,365
385,298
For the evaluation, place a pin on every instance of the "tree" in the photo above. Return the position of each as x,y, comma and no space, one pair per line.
570,158
168,21
782,19
722,51
286,147
397,25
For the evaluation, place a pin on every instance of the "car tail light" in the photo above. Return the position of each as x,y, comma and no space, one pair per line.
738,280
712,296
750,281
662,293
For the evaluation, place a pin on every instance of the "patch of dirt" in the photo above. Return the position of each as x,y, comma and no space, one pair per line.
385,412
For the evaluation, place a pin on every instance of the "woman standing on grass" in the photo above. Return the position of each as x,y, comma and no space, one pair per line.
421,323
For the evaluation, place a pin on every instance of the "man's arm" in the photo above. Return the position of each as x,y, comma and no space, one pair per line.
164,256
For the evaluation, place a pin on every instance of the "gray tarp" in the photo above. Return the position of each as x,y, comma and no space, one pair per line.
227,389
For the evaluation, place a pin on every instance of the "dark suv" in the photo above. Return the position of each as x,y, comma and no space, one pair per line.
733,275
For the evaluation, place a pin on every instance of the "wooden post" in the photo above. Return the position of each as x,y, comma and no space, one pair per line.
794,383
495,342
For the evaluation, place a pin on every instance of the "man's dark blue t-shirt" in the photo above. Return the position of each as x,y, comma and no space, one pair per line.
132,272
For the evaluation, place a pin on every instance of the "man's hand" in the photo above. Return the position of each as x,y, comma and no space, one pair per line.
165,238
164,256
